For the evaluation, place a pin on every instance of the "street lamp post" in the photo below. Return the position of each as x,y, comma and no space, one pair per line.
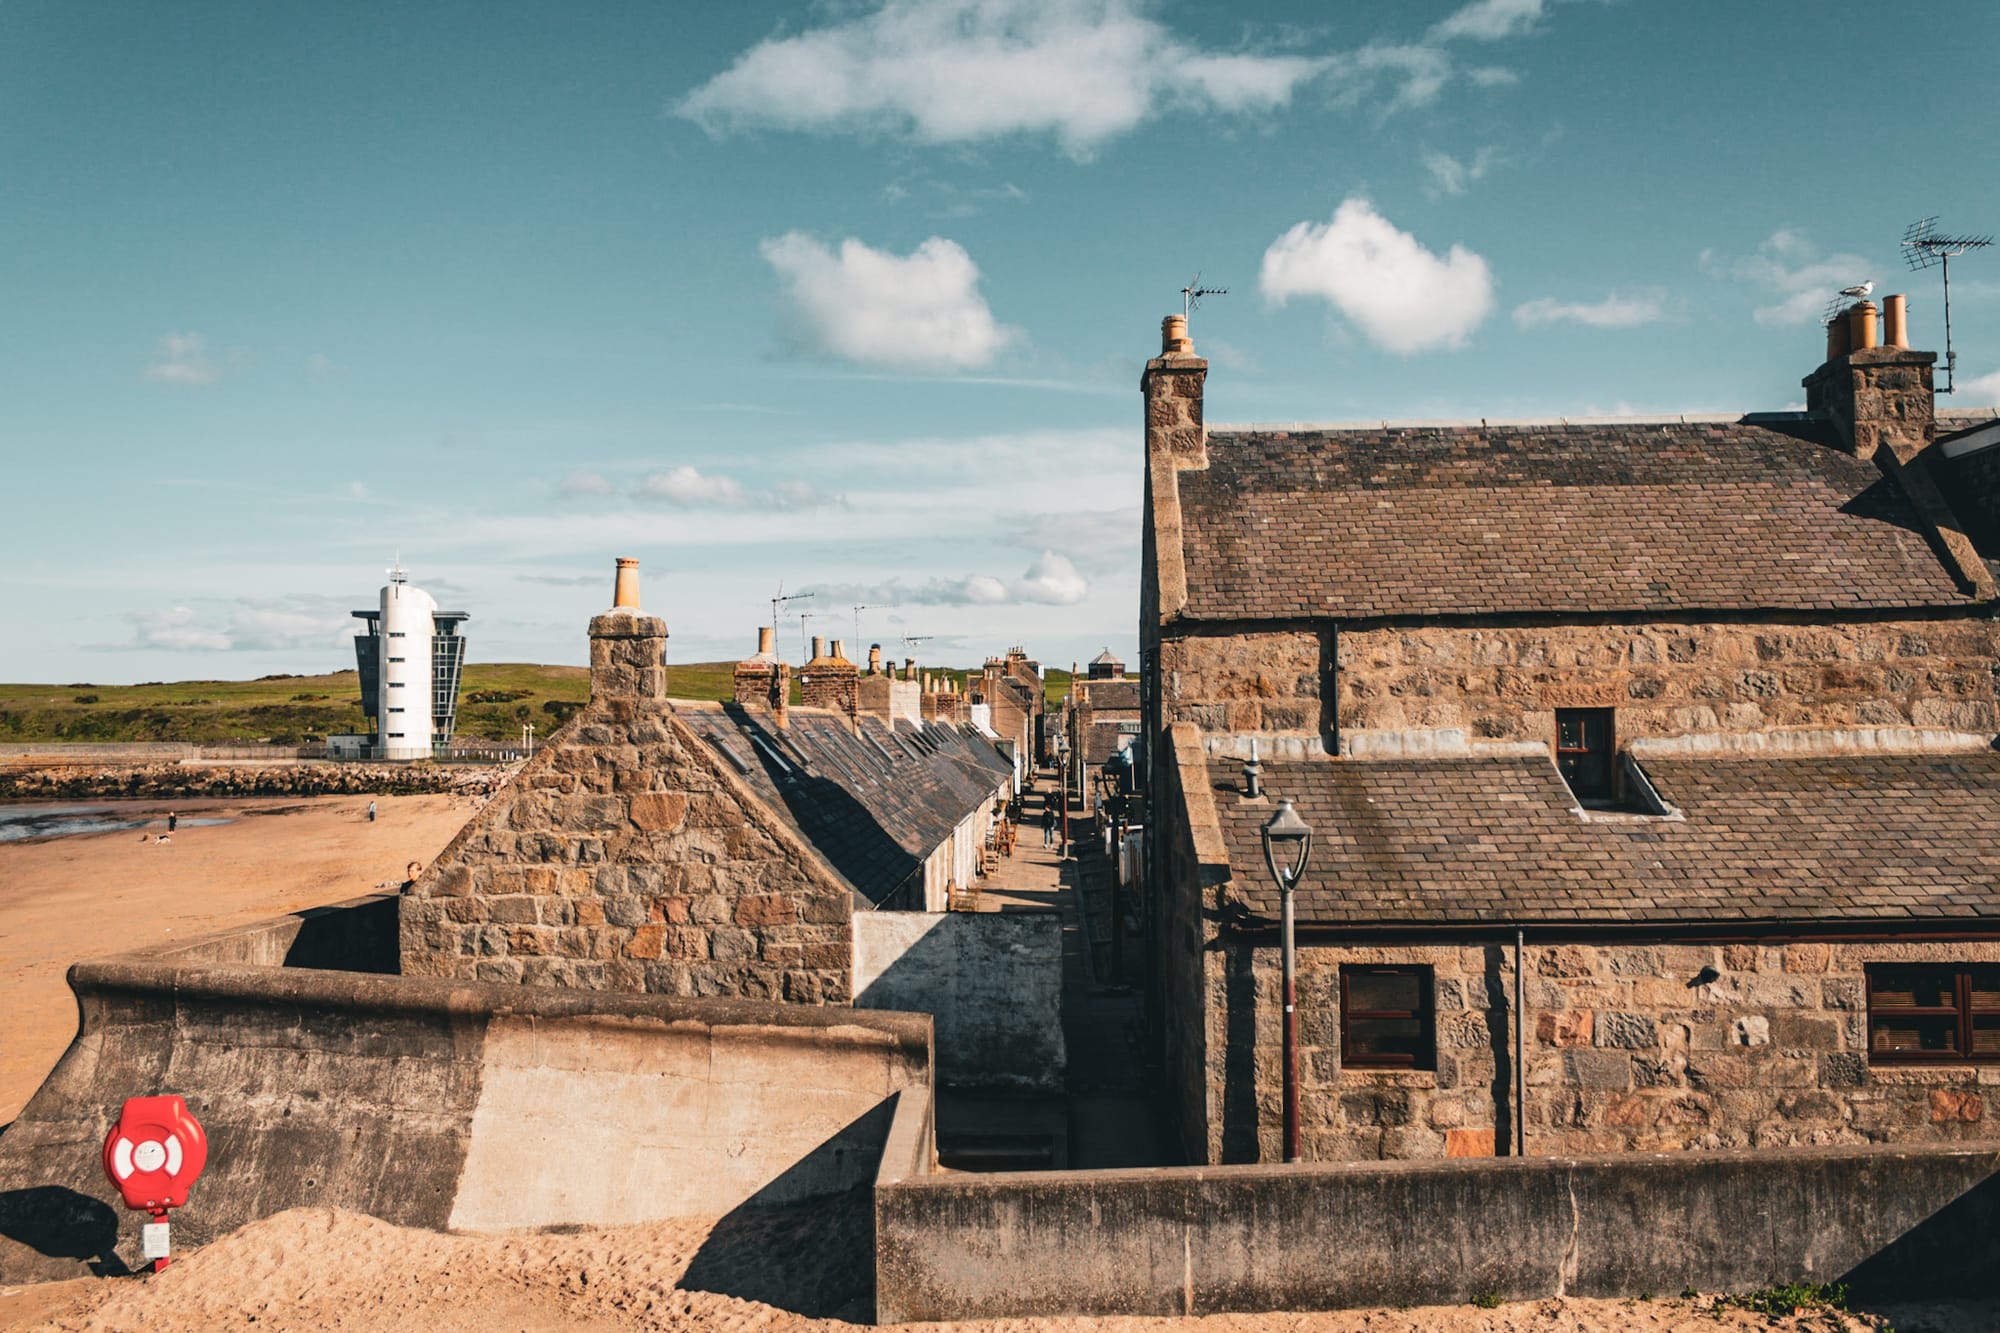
1287,844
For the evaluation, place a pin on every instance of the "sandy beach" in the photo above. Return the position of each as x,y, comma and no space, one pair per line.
67,898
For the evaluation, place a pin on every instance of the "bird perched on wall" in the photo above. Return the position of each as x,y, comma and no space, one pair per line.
1859,292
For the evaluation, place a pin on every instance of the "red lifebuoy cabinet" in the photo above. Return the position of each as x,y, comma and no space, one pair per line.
152,1155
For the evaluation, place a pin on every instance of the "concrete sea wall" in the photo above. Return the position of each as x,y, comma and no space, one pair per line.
437,1103
992,980
1910,1222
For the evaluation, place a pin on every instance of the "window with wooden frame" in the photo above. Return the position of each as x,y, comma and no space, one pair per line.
1386,1018
1586,746
1927,1013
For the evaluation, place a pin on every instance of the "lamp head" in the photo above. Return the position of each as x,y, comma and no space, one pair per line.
1287,844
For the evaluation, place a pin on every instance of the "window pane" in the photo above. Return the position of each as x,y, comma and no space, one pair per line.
1985,987
1914,1035
1569,731
1398,1039
1385,990
1986,1036
1587,774
1931,988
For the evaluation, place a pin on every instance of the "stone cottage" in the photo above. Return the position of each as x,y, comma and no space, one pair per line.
1650,766
687,848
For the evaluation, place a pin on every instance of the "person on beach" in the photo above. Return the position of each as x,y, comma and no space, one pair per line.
173,821
371,812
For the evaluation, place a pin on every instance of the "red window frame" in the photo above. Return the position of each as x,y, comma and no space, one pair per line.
1588,720
1965,1010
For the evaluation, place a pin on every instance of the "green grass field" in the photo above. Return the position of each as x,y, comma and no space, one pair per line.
495,699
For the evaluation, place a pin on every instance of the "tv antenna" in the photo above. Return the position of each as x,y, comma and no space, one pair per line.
1192,293
805,642
1924,248
778,604
857,625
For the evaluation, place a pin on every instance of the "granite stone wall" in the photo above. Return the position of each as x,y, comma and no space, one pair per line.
626,857
1664,679
1630,1048
1670,679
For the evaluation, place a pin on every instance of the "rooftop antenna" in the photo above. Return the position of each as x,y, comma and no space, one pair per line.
1192,293
1924,248
397,574
857,625
778,604
805,642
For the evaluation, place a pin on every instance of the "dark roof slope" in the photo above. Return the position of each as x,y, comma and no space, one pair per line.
874,805
1875,838
1466,520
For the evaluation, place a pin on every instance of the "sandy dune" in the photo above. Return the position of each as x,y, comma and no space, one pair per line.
71,898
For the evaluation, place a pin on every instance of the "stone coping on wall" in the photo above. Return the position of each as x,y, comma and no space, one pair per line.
1217,1239
1807,741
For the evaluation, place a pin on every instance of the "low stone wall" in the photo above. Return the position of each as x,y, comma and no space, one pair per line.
436,1103
152,779
992,981
1194,1241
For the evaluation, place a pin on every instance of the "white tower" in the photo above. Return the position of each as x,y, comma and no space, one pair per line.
409,616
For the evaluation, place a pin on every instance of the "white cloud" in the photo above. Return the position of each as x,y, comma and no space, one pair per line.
1788,268
250,624
1489,20
959,71
1981,392
793,494
921,311
1404,297
1492,76
1050,581
1451,176
584,482
689,489
1617,311
182,358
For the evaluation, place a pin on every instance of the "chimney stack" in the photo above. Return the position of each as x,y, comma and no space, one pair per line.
754,674
1875,394
831,680
874,659
628,649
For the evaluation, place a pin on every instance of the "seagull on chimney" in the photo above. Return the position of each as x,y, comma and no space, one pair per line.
1860,292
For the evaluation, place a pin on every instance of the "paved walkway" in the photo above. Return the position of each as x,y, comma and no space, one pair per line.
1111,1115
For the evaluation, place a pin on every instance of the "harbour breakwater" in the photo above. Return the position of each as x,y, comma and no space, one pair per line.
179,781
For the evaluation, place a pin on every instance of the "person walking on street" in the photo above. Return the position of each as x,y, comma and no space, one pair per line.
1048,824
371,812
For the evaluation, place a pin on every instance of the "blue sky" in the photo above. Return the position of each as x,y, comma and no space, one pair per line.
855,295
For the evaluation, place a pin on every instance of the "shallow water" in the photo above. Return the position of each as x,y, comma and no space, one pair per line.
19,823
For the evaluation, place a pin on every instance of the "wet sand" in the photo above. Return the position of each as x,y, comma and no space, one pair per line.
78,897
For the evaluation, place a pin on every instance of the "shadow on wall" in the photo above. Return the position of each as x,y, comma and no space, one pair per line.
1239,1055
57,1221
348,938
992,982
1930,1259
815,1258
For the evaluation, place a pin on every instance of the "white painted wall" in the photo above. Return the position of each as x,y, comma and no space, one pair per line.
407,626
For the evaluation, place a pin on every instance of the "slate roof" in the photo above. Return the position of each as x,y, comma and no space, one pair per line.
1876,839
873,805
1551,519
1104,694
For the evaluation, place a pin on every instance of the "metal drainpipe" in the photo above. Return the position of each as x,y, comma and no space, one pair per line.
1520,1048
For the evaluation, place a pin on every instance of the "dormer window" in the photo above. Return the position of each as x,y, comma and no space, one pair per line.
1586,749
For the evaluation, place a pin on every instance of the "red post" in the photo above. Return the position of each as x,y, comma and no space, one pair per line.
160,1264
